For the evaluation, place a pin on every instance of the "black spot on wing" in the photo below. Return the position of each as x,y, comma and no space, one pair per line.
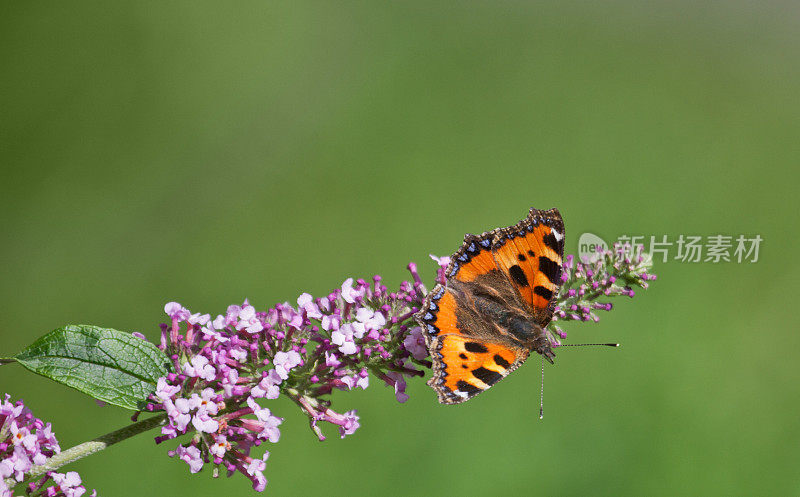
551,241
500,361
475,347
521,257
551,269
543,292
463,356
487,375
467,388
531,253
518,275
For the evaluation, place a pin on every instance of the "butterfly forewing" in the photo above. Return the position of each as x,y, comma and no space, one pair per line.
530,254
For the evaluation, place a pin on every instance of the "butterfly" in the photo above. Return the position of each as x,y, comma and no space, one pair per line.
491,312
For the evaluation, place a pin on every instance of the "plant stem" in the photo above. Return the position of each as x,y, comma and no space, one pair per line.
88,448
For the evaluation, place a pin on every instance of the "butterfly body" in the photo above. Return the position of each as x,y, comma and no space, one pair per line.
492,310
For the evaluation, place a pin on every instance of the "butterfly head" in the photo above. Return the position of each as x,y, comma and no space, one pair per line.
542,345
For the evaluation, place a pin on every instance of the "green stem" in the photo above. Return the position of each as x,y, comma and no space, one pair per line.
7,360
90,447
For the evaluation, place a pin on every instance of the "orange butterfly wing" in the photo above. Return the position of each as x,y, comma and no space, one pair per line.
530,254
468,367
463,366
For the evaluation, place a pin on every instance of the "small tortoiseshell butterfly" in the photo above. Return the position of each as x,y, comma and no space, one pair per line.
491,312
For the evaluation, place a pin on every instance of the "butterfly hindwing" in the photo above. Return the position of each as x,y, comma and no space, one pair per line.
467,367
464,364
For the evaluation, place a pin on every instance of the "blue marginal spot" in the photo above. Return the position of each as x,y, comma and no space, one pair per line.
462,258
428,316
454,270
433,306
432,329
472,247
486,243
438,293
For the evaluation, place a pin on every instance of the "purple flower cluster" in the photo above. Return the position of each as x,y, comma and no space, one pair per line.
606,274
26,441
225,367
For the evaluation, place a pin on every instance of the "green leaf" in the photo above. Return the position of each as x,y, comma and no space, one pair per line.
110,365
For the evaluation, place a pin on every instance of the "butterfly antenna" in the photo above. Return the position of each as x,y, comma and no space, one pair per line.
541,393
589,344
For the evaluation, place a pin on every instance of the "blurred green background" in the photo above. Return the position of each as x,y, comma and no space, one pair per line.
204,153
